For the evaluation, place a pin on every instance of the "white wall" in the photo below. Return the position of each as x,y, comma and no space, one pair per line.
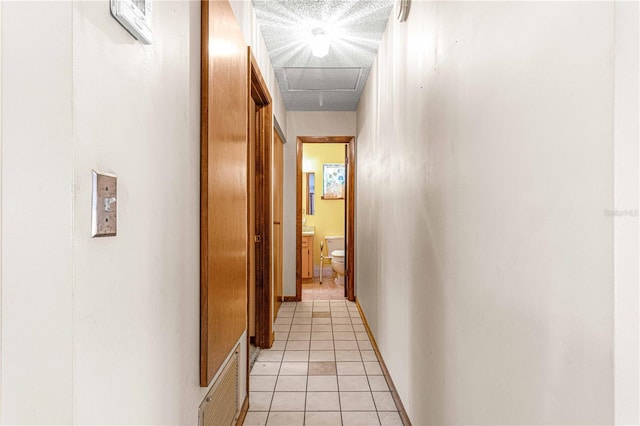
304,124
627,113
485,166
37,215
136,296
100,330
246,15
1,274
1,198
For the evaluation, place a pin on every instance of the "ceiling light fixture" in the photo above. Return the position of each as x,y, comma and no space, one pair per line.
320,43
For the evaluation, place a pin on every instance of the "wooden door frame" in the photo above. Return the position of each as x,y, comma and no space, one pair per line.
263,219
349,206
278,164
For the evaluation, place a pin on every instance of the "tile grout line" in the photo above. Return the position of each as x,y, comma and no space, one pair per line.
352,315
306,384
335,360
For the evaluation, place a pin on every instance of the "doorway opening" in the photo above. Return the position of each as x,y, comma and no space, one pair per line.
325,185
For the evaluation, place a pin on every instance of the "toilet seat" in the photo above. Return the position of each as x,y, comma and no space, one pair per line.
337,253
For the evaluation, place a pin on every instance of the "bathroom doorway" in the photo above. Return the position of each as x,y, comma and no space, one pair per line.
322,183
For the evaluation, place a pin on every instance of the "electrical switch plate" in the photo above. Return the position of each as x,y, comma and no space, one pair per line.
104,208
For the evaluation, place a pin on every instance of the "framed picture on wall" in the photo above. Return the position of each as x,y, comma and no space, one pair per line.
333,181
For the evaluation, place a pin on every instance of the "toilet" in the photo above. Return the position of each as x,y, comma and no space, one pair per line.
335,248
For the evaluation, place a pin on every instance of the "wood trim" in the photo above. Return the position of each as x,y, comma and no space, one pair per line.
298,220
350,231
243,410
204,195
349,206
278,190
259,89
248,369
263,196
385,371
290,299
326,139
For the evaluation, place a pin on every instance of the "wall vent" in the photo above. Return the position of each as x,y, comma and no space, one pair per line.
221,406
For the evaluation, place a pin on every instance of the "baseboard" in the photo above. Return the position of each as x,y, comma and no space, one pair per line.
385,371
289,298
243,411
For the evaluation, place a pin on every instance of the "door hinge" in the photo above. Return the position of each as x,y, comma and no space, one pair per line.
257,238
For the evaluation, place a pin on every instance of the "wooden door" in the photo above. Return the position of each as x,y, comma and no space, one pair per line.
261,119
278,188
223,187
251,216
347,243
351,229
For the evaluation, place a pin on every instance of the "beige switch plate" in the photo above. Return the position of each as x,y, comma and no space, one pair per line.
104,206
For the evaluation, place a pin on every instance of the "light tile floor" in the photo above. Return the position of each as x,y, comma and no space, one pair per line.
321,370
328,290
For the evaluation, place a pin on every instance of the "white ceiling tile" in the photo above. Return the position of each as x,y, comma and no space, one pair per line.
355,28
326,79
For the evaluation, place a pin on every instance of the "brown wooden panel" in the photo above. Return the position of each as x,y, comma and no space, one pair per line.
326,139
223,201
351,236
251,216
278,189
298,219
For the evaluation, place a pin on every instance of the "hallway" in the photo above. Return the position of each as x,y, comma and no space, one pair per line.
321,370
496,213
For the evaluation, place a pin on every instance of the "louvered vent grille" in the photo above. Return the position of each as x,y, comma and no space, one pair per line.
221,405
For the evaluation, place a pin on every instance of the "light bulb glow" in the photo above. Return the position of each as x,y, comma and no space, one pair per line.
320,45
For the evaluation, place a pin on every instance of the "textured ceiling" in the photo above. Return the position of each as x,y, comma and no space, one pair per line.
332,83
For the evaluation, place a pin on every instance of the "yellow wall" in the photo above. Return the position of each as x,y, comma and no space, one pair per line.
328,217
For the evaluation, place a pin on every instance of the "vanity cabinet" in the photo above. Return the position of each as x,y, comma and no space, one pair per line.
307,256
